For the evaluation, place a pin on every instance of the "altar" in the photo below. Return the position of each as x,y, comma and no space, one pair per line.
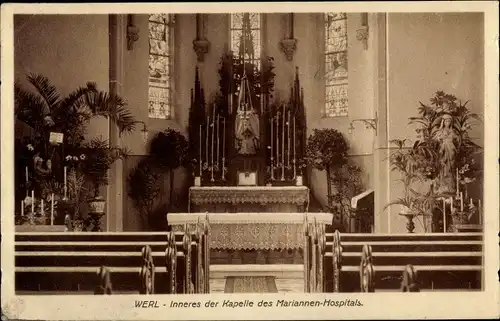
264,238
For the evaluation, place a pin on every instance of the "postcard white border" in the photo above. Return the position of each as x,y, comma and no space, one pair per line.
382,305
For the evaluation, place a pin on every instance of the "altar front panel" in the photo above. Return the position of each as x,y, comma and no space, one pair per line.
252,231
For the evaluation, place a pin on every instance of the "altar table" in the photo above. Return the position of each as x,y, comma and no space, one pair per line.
252,231
248,198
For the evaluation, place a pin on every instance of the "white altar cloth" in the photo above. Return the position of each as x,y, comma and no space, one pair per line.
252,231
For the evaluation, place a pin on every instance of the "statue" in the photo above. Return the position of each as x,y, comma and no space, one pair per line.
247,132
446,138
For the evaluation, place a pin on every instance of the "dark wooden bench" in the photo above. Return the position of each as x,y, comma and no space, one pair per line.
69,262
442,261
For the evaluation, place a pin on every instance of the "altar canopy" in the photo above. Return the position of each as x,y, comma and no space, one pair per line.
252,231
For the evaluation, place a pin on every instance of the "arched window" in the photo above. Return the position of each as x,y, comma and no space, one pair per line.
251,48
160,65
336,61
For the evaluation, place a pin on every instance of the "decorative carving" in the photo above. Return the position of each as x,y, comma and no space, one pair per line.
147,273
104,285
264,195
288,46
366,271
171,262
410,282
362,35
201,47
337,260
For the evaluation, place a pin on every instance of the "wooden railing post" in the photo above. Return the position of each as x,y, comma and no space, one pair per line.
321,247
366,270
306,254
206,246
104,285
410,280
147,273
337,260
188,286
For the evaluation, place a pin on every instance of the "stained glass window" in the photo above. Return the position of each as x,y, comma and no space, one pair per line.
160,65
246,44
336,61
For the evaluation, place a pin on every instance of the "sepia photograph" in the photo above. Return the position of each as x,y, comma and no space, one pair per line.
248,158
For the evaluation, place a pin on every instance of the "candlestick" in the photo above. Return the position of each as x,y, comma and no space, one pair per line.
218,140
294,156
212,144
461,202
272,158
206,140
200,152
22,208
283,146
444,215
223,147
288,140
32,202
277,139
52,209
65,182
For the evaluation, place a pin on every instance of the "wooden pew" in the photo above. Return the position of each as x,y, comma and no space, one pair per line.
443,261
134,262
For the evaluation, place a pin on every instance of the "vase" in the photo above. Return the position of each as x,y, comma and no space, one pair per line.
96,212
197,181
298,181
410,225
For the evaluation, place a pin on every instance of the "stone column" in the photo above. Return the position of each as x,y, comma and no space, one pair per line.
117,48
381,179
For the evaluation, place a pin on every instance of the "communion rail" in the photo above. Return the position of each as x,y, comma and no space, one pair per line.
441,261
122,263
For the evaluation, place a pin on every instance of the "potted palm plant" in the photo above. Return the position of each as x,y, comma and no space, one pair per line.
58,123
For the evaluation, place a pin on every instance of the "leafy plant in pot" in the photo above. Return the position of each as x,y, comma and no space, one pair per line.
169,149
327,150
95,166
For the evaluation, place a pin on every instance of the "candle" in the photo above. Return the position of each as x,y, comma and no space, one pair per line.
283,145
451,202
200,151
480,211
206,140
277,139
461,202
218,139
65,181
27,176
223,136
52,209
444,215
42,208
32,201
471,204
212,143
288,139
458,184
272,120
22,208
294,143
